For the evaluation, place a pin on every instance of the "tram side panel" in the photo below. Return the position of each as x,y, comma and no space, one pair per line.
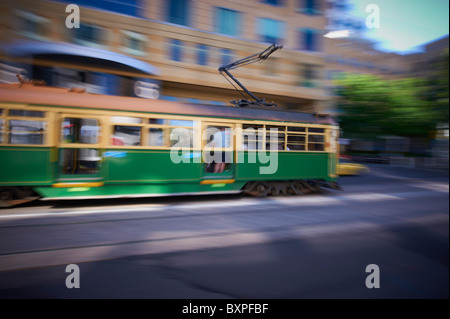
283,165
25,166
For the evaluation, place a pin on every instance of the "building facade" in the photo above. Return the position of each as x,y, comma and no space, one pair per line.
183,42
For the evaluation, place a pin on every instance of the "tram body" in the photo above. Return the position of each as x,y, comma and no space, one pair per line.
57,143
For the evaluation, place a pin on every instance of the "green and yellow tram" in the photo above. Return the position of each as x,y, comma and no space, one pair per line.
58,143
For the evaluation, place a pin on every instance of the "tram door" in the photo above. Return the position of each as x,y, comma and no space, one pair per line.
79,156
218,150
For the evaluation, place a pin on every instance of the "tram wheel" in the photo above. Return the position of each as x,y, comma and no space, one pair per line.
6,195
262,189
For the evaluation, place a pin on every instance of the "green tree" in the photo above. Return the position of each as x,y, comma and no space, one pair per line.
371,106
437,93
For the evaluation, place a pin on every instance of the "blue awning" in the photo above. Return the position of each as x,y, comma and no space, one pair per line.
68,52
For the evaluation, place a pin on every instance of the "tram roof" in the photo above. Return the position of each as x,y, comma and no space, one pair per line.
44,95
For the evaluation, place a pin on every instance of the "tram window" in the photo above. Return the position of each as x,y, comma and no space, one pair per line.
218,132
181,123
157,121
1,128
181,136
26,113
316,130
126,135
316,142
252,126
315,147
252,136
77,130
25,138
278,137
316,138
26,126
277,146
296,129
295,147
26,132
296,139
252,143
279,128
125,120
156,137
79,161
296,142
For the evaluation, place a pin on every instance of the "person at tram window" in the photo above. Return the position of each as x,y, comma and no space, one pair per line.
220,140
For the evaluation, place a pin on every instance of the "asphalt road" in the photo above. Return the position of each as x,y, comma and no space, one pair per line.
230,247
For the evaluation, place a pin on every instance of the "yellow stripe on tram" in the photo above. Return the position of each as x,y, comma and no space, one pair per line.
217,181
65,185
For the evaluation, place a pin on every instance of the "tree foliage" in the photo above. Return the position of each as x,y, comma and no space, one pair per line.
437,92
371,106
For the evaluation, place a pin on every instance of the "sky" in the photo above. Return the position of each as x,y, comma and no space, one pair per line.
405,24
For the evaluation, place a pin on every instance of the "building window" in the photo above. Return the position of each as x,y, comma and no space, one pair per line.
270,30
176,50
311,7
88,34
309,75
133,43
273,2
226,56
32,26
202,54
128,7
227,21
310,39
334,75
341,5
178,11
